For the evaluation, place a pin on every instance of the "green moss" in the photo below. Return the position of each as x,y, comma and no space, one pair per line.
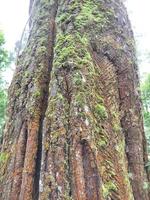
80,99
42,41
26,74
3,157
36,94
90,13
41,50
102,142
51,110
107,188
66,196
101,139
121,147
72,48
100,100
115,115
75,5
101,111
117,128
64,49
63,17
17,93
77,79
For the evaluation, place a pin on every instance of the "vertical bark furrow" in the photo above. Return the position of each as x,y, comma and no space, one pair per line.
31,94
29,164
34,163
91,174
19,162
78,182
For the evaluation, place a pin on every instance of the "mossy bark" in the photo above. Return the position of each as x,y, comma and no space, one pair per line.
74,128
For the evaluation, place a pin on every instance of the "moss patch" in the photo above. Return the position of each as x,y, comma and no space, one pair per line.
90,14
107,188
101,111
3,157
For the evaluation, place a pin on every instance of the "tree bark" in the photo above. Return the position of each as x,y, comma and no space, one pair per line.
74,127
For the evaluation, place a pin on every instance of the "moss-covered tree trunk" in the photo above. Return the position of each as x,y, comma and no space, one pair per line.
74,127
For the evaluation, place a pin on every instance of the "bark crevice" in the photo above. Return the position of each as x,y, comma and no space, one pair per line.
91,174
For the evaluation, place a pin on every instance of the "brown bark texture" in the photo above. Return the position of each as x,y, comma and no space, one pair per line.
74,129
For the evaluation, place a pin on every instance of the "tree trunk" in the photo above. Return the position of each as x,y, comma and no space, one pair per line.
74,127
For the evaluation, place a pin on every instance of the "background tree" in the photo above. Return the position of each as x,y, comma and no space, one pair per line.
74,128
4,61
145,88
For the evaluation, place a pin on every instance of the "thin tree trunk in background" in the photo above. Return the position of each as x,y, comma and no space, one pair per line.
74,127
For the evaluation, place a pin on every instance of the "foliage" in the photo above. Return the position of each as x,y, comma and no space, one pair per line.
4,59
145,88
4,62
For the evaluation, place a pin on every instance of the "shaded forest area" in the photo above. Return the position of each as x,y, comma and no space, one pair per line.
4,63
74,127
